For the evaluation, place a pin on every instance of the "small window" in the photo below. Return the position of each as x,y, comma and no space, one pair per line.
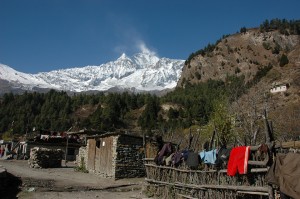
98,142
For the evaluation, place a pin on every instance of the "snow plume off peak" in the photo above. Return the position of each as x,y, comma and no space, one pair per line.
143,48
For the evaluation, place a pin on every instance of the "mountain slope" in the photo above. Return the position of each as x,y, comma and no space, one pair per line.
258,57
143,71
241,54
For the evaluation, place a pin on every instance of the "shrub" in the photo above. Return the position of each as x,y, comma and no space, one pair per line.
283,60
266,45
276,49
237,70
81,167
243,30
198,75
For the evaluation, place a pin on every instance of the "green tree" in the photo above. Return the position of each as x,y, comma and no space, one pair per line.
283,60
172,113
8,135
149,117
243,30
222,121
276,49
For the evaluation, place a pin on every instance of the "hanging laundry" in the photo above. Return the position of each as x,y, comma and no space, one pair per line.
208,157
285,173
238,160
185,153
223,156
177,158
169,160
193,160
165,151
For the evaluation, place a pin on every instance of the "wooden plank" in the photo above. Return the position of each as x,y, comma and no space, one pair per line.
105,151
185,196
149,159
253,193
228,187
260,163
254,170
286,145
204,186
91,154
97,156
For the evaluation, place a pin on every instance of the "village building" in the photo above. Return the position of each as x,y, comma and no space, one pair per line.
4,148
279,87
69,143
113,155
69,151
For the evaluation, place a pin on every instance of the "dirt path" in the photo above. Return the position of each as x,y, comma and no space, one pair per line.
66,183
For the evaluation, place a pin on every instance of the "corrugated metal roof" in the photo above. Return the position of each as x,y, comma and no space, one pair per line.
108,134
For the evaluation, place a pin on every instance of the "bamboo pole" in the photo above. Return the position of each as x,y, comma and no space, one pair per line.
205,187
185,196
260,163
286,145
149,159
212,139
253,170
270,192
253,193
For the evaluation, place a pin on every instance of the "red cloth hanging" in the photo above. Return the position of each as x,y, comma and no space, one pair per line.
238,160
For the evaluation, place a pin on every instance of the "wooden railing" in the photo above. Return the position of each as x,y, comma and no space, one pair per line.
171,182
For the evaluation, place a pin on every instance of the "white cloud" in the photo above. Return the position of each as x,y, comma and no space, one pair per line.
141,46
129,40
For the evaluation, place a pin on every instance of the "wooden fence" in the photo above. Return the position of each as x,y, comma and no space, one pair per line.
170,182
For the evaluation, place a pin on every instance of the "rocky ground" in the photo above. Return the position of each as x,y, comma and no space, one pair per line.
65,182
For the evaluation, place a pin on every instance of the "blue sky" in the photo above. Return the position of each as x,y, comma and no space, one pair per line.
44,35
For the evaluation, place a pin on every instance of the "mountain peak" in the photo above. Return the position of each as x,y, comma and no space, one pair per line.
123,56
142,71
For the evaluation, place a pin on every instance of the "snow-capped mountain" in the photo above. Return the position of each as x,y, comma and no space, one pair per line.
142,71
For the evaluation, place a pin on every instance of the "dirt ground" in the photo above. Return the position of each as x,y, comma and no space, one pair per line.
67,183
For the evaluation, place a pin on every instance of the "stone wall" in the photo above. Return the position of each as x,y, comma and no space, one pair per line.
45,158
53,146
129,157
114,155
81,158
123,156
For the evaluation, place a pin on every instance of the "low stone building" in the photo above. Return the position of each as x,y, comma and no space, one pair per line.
114,155
45,158
72,148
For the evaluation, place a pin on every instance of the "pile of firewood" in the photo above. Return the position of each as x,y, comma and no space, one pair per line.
45,158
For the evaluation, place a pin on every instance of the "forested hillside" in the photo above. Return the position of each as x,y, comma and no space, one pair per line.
57,111
262,59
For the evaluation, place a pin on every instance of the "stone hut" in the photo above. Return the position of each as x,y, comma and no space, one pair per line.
45,158
72,148
115,155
